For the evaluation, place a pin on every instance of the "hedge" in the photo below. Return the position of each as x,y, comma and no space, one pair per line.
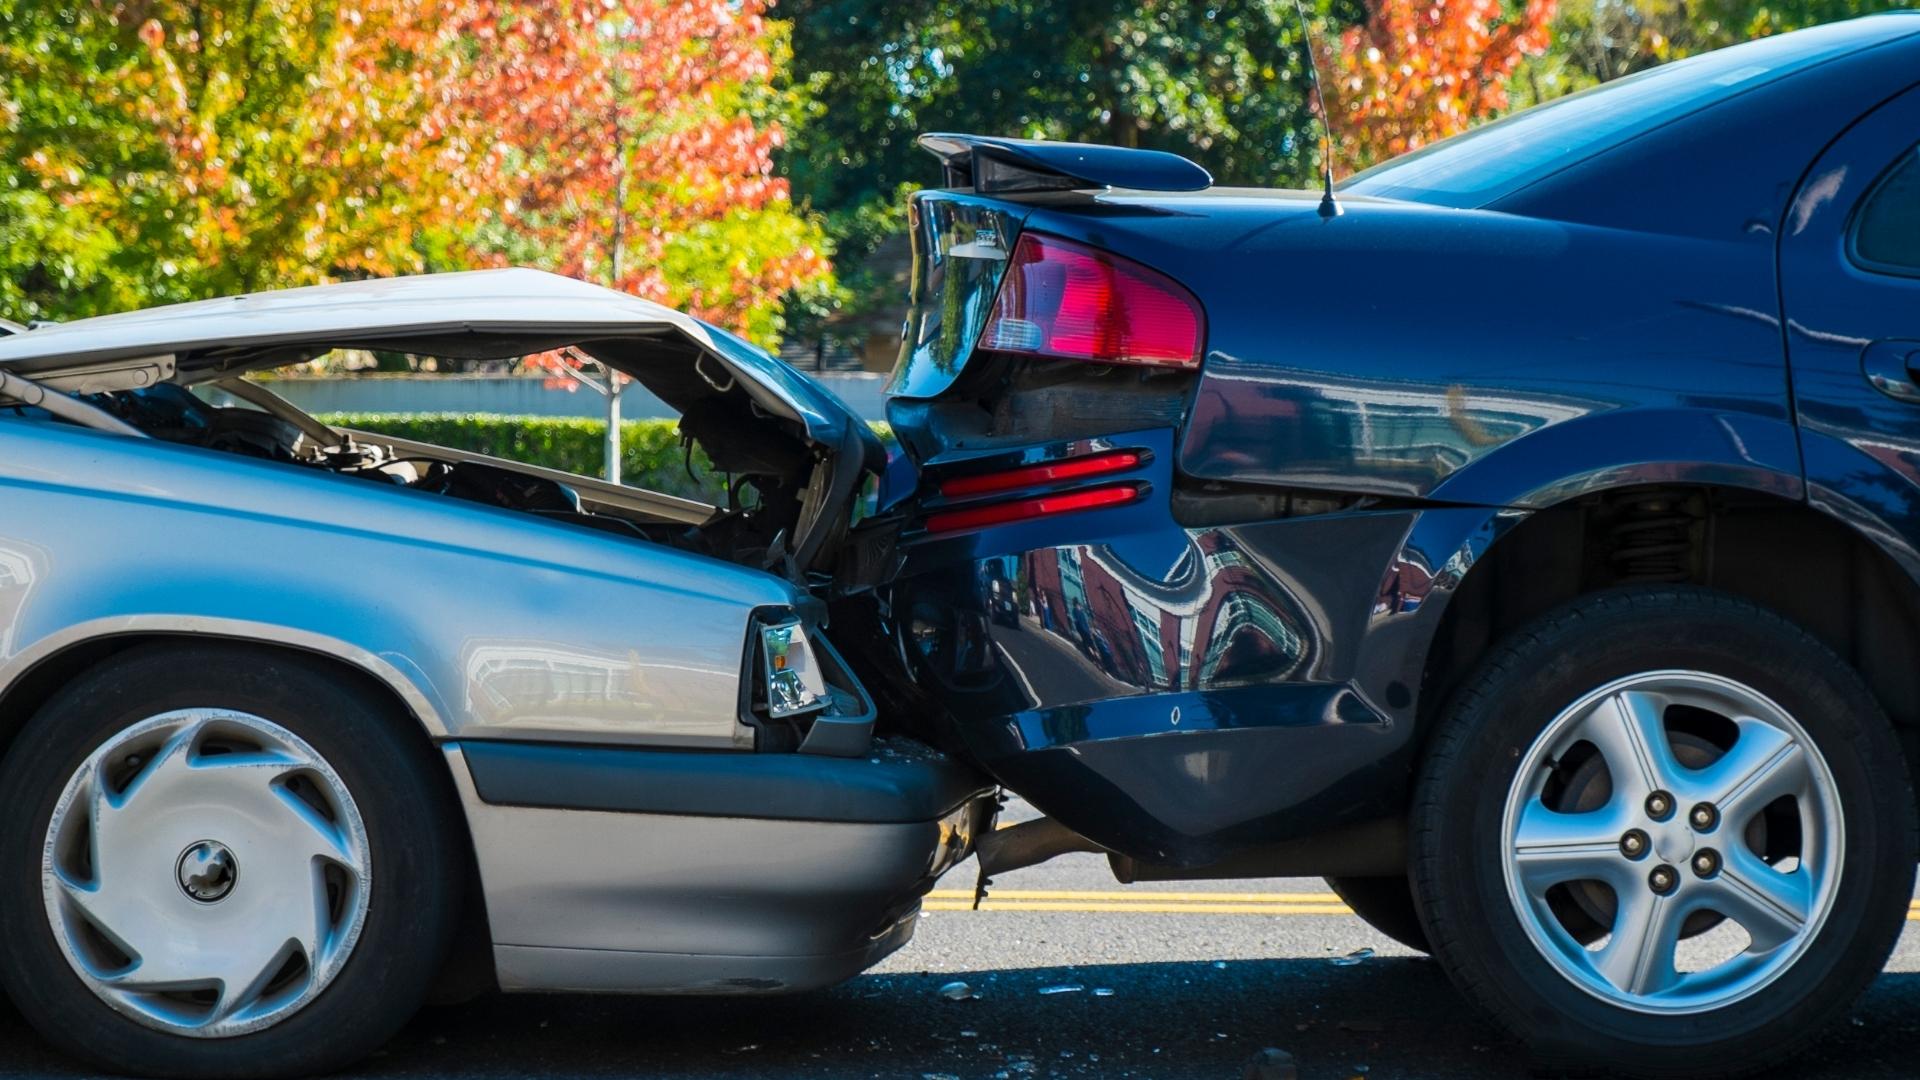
650,452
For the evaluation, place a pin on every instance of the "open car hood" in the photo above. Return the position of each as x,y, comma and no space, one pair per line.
468,314
752,413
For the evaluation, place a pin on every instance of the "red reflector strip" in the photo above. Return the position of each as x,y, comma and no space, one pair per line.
976,517
1028,475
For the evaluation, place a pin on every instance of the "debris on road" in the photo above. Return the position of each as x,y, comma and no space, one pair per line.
957,991
1271,1063
1351,958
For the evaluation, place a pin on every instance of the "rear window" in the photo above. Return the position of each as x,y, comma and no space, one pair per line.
1887,234
1497,159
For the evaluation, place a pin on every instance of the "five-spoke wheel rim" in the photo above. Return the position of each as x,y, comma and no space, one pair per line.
1691,801
206,872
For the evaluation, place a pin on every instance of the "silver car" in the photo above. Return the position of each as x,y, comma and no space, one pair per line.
302,723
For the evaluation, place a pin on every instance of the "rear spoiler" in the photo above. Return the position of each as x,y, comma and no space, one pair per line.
995,166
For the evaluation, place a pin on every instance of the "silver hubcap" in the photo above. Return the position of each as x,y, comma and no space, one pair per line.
143,882
1672,842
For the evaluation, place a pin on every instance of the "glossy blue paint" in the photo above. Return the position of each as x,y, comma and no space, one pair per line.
1410,380
994,164
1860,421
1176,692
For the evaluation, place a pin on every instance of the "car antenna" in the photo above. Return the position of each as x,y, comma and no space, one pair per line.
1329,206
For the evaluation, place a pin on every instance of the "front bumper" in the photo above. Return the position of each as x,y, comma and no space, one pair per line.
643,871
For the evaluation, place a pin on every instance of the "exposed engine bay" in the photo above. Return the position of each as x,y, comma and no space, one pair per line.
769,473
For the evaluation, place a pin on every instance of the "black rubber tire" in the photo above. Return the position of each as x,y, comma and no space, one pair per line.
1486,729
401,789
1386,904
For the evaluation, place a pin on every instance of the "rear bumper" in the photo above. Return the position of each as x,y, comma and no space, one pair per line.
1185,693
1190,778
641,871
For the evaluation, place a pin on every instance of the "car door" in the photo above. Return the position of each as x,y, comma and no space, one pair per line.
1850,287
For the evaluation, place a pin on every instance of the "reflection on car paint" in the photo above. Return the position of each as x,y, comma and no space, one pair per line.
1210,620
1410,432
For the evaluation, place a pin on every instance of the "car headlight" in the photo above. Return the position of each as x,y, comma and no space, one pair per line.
790,671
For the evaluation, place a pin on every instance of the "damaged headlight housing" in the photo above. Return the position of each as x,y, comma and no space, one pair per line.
790,672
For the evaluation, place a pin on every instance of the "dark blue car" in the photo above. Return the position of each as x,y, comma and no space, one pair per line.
1531,547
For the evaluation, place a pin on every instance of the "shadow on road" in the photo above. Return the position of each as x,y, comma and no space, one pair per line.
1394,1017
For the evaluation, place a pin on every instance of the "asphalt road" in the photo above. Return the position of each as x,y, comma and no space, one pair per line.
1171,981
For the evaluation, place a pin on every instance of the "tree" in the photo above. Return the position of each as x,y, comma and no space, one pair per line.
1222,82
180,148
632,142
1598,40
1417,71
171,149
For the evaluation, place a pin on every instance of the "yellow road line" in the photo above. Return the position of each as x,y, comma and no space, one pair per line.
1140,895
1147,902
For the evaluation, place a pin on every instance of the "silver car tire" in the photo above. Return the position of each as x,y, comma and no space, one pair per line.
238,864
1663,832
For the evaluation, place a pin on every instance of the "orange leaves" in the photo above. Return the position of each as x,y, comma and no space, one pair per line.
1420,70
617,128
254,143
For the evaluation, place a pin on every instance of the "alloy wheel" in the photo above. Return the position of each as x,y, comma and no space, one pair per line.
1672,842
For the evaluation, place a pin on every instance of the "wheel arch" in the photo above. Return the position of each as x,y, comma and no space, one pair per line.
39,673
1809,565
35,672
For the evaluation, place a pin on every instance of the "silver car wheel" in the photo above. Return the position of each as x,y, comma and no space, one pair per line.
206,872
1673,843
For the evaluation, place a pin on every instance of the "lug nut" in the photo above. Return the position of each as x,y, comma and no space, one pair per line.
1634,844
1663,879
1706,862
1659,806
1704,817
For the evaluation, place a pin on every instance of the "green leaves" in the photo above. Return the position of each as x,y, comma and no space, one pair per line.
178,149
651,456
1599,40
1221,82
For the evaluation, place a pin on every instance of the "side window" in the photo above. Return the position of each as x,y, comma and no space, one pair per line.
1886,234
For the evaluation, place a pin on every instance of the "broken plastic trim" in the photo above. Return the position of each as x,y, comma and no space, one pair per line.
837,721
1017,847
790,672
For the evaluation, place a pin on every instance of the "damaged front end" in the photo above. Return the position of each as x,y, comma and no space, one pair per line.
674,780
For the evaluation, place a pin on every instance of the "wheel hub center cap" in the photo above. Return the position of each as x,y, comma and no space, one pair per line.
207,871
1673,842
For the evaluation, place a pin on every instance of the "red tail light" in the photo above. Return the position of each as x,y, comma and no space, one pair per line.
1048,473
976,517
1066,300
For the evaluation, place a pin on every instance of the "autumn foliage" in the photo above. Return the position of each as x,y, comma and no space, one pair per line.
623,139
1420,70
171,149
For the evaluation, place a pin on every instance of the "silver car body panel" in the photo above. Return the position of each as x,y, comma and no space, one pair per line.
659,903
489,623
